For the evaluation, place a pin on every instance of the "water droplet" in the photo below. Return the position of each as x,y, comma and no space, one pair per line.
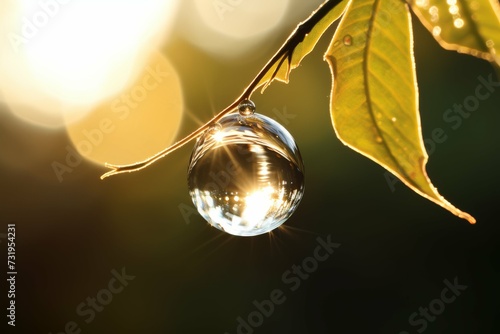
347,40
215,132
215,128
436,31
379,139
490,44
394,119
458,23
451,2
251,180
246,108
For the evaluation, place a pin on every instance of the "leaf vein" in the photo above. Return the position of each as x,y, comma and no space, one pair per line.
376,5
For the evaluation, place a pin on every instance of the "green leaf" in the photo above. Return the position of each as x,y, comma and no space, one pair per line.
467,26
301,42
374,104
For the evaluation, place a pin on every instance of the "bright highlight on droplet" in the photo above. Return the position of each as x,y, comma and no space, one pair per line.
249,180
258,204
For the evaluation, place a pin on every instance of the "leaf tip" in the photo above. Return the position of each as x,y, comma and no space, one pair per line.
468,217
457,212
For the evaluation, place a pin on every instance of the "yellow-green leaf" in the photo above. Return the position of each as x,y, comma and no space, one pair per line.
374,104
467,26
301,42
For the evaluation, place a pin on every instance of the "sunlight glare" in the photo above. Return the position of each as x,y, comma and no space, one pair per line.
135,123
62,57
257,206
215,26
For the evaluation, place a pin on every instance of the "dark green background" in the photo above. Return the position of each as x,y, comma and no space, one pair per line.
396,247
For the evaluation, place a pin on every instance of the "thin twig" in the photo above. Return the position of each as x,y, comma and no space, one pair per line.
284,53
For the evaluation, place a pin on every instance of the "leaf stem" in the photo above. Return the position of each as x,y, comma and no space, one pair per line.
284,53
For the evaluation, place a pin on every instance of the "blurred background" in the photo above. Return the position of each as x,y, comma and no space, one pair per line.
82,83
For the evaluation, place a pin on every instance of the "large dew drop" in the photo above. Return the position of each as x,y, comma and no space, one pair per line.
246,175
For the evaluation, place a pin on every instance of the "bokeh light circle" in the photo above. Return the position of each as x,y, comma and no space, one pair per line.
135,123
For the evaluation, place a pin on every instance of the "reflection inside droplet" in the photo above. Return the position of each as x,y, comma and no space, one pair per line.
246,108
247,178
